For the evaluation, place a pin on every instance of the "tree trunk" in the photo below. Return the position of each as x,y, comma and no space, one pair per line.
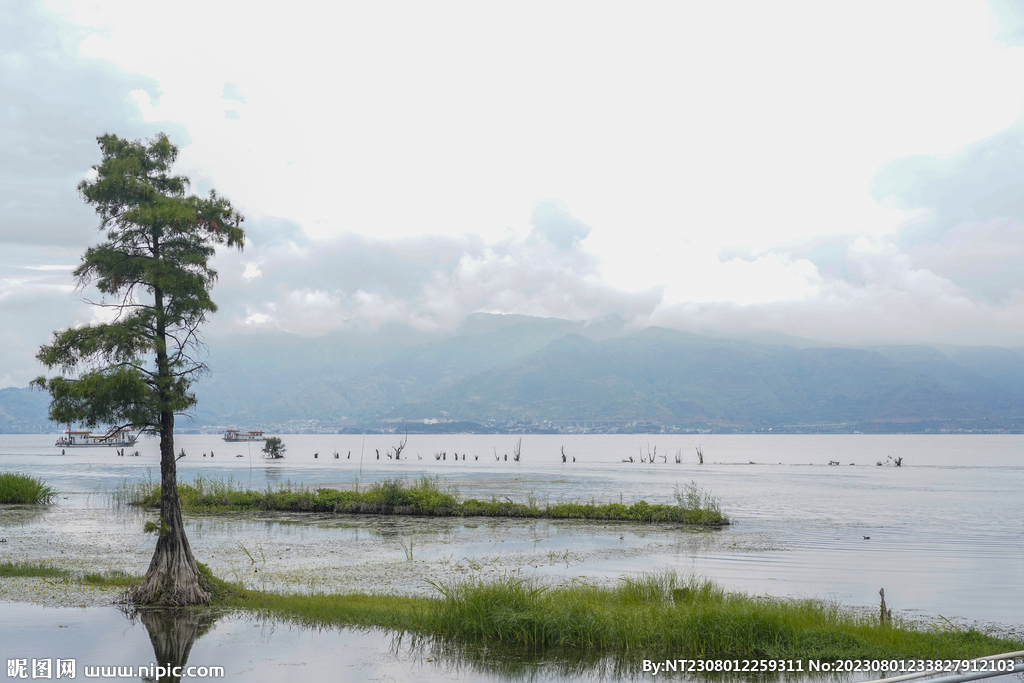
173,579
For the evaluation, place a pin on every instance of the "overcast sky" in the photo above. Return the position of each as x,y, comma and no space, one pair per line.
841,171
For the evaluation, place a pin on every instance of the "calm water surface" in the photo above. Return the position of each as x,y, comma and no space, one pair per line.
257,649
946,530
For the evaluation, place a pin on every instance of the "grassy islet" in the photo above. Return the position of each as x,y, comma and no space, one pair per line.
422,497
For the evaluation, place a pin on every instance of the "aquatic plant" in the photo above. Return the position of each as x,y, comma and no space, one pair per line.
24,489
106,579
111,579
10,569
697,502
660,615
424,497
684,617
407,548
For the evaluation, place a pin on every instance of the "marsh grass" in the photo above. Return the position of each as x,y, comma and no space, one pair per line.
33,569
113,578
134,492
653,615
203,492
698,503
424,496
319,610
23,489
665,614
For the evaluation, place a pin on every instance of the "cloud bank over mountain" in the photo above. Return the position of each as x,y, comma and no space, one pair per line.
430,283
722,181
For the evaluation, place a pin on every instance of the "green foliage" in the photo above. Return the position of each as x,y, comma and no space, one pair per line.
153,271
662,614
274,447
321,610
658,615
423,497
23,489
697,503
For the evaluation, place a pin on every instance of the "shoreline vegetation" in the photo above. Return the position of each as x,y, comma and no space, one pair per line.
423,497
652,615
21,489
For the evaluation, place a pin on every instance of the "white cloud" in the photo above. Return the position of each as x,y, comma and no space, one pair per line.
429,283
669,117
252,270
257,318
708,167
23,288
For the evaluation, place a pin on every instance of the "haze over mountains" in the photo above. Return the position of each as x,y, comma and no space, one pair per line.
518,372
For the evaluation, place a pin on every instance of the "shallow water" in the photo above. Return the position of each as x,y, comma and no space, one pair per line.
107,642
259,649
946,529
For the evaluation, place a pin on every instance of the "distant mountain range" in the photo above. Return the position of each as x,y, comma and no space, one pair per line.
23,411
549,374
660,375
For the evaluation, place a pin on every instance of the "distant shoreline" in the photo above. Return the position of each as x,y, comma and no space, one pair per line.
356,431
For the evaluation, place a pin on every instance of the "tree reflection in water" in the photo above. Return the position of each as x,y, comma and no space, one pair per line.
172,633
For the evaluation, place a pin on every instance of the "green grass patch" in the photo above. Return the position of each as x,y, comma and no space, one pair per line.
114,578
691,618
23,489
36,569
422,497
352,609
653,615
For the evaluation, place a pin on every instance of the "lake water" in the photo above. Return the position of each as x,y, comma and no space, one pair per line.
945,531
257,649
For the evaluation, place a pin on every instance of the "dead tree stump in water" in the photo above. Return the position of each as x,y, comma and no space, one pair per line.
885,615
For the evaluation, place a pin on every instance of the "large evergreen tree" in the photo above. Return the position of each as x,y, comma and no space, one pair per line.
136,368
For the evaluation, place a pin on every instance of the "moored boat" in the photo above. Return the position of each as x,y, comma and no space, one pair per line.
81,438
233,435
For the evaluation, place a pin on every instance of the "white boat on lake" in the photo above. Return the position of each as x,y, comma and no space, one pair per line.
233,435
81,438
